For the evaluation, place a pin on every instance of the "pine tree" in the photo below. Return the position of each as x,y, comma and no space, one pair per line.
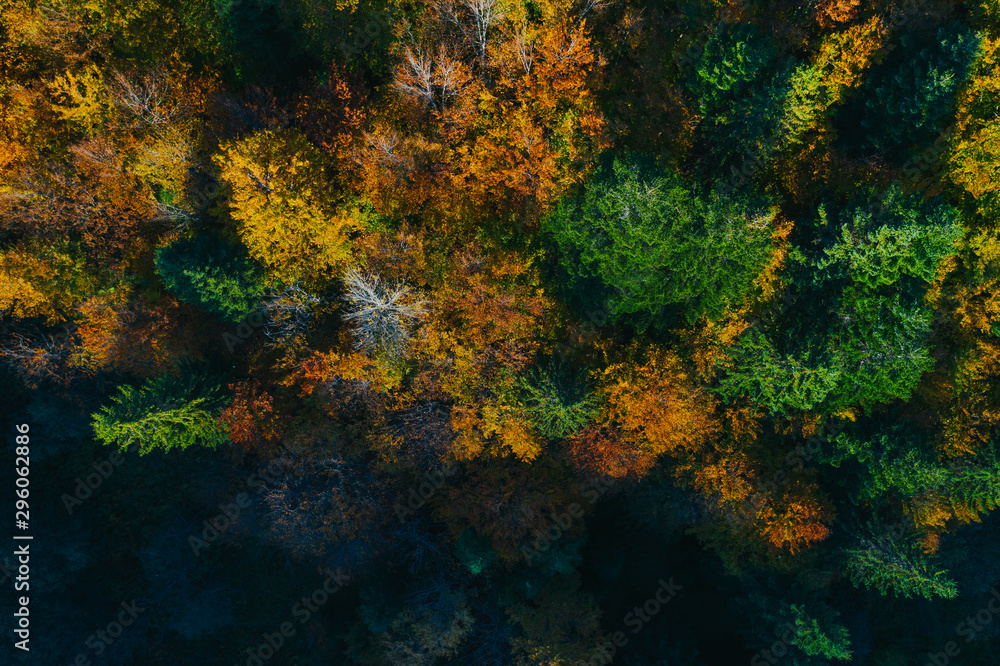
212,274
164,413
911,97
656,247
897,568
557,401
780,383
817,633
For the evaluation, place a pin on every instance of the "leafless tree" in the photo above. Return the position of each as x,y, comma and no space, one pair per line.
40,199
383,150
49,200
385,145
180,217
382,314
415,76
485,14
38,359
288,314
433,79
328,510
100,155
525,48
147,98
416,547
588,6
473,19
489,643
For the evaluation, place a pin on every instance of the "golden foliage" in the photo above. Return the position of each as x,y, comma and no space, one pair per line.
654,402
81,98
831,12
36,281
975,145
286,217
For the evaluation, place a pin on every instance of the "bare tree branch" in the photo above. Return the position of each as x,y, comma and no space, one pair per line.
382,314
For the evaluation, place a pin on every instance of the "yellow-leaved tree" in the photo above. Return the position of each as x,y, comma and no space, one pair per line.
40,281
651,398
287,216
974,158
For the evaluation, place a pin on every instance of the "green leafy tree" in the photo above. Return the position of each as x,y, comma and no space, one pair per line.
817,633
882,349
805,626
976,484
164,413
655,248
740,84
859,332
912,97
557,401
896,567
884,253
877,352
216,276
893,459
880,242
781,383
736,57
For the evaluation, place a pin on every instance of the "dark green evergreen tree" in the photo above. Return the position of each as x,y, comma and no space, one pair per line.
909,100
213,274
739,84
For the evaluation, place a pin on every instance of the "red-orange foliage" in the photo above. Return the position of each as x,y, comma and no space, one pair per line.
250,418
601,452
798,519
122,336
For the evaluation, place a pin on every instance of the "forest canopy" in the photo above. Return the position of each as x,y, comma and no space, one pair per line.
509,321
